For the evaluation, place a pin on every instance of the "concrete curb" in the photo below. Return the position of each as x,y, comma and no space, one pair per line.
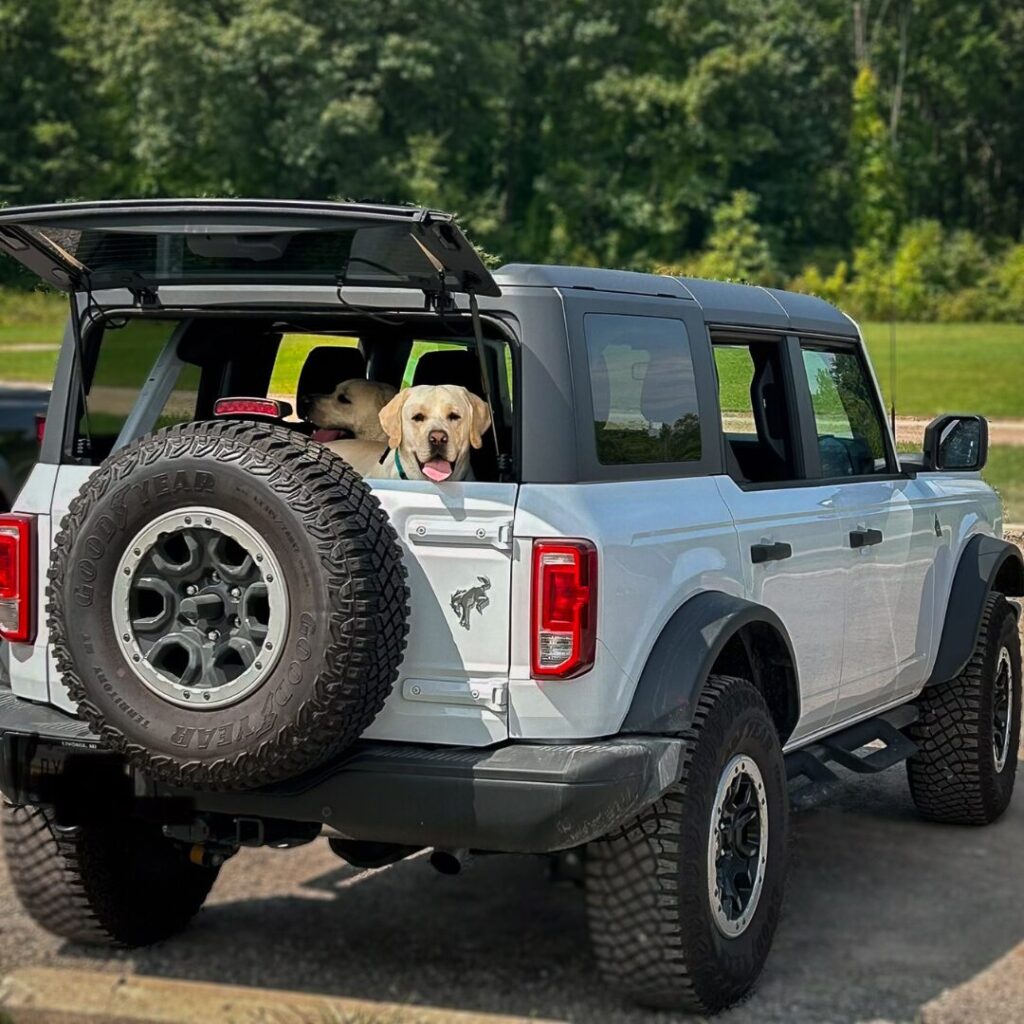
47,995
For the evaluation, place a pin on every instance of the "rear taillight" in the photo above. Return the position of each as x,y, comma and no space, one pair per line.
564,608
17,579
40,427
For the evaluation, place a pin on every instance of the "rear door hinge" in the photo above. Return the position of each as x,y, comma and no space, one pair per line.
489,533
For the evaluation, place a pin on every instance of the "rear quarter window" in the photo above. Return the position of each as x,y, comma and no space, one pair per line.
643,389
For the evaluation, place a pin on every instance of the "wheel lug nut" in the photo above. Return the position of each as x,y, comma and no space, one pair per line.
270,579
126,637
215,577
206,696
259,664
213,635
187,695
191,590
236,593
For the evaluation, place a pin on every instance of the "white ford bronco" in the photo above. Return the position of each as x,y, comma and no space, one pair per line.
690,575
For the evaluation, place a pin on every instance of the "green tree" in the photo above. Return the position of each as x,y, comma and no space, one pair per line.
877,196
737,249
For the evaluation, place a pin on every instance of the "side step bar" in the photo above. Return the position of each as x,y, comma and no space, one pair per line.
850,749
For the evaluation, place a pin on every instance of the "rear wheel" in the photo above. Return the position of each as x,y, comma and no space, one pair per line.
684,900
968,732
114,884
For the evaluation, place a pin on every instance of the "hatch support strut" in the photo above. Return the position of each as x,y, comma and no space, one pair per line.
504,461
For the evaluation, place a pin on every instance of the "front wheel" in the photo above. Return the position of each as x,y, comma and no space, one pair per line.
968,731
684,900
109,883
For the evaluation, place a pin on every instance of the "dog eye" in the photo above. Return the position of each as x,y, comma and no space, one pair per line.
343,399
453,416
418,417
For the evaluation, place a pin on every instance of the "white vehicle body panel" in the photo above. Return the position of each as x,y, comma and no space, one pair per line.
659,542
807,590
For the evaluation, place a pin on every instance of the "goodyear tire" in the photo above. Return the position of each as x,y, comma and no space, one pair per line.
968,732
113,884
227,604
684,900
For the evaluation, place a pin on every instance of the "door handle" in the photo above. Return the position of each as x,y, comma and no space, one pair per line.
769,552
865,538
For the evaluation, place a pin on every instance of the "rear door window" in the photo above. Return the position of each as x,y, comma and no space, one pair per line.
643,388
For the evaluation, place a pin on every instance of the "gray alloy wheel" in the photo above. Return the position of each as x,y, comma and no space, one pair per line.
737,846
1002,709
200,607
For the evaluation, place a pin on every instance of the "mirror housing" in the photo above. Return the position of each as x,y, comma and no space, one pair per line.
955,443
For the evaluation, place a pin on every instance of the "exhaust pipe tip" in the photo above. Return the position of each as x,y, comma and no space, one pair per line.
448,862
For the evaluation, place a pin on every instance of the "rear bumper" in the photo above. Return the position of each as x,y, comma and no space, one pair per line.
517,798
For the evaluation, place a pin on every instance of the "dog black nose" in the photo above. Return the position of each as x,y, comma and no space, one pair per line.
437,438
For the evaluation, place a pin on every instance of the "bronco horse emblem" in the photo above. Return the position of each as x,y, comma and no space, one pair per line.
464,601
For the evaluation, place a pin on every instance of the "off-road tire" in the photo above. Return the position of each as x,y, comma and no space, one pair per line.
101,884
953,776
651,925
348,603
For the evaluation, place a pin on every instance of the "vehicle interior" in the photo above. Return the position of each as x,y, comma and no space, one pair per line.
144,374
755,420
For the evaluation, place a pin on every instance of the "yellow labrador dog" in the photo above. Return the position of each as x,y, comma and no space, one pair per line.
430,430
353,407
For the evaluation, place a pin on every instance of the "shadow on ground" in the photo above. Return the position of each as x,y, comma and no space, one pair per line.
884,912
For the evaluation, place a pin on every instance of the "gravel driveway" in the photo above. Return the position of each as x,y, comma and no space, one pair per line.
884,912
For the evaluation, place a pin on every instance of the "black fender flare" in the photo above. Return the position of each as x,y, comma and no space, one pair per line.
986,564
684,655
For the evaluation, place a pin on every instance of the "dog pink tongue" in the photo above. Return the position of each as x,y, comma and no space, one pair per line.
437,470
325,436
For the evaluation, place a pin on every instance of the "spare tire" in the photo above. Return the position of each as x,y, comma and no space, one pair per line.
227,604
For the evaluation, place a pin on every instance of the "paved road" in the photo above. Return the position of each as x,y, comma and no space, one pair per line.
884,912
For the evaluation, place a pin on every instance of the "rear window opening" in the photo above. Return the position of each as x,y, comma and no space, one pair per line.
142,374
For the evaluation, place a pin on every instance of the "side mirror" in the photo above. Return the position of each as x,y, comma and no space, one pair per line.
956,444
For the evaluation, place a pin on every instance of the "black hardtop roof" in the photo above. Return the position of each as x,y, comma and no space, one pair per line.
720,301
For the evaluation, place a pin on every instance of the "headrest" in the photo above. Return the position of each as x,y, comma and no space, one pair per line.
452,367
326,366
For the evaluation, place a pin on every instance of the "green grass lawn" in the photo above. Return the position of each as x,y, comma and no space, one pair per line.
1005,472
952,367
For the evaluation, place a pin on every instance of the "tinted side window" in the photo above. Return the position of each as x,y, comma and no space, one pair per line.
849,423
643,387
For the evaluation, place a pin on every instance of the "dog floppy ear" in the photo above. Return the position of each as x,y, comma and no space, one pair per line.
385,392
480,420
391,418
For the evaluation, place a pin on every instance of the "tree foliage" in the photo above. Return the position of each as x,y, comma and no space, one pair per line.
738,139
